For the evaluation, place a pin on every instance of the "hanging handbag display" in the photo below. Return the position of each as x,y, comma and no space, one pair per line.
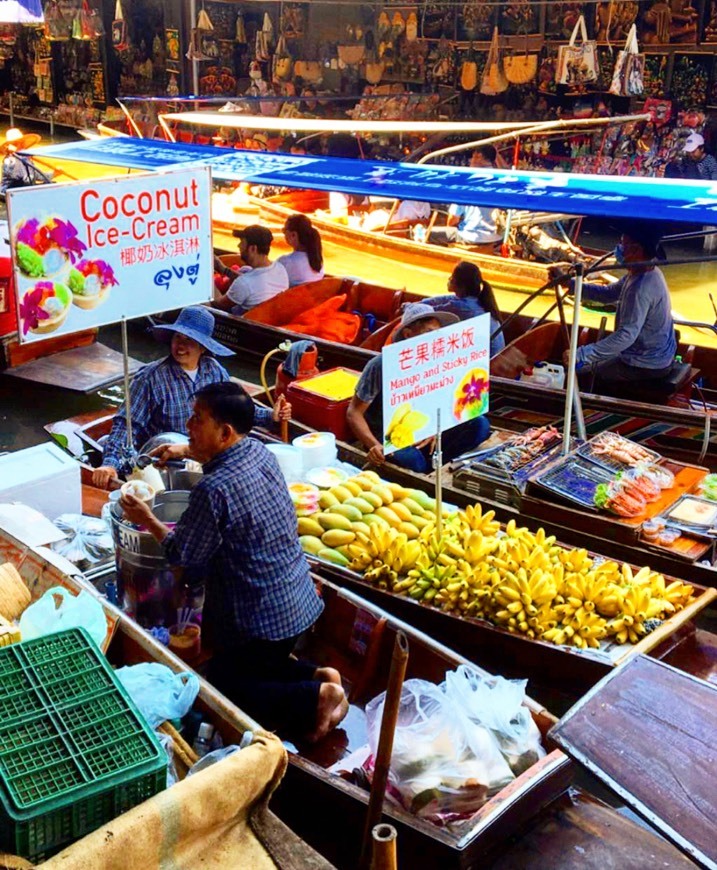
309,70
494,80
282,61
203,44
577,63
628,75
469,71
521,68
57,27
120,42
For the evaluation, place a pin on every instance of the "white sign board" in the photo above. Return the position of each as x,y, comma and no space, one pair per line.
446,369
91,253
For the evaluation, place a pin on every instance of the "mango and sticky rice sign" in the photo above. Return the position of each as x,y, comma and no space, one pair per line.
92,253
444,370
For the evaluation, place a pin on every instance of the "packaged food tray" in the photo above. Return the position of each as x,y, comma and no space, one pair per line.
74,750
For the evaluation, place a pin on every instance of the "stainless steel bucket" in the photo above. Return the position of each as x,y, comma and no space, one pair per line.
145,582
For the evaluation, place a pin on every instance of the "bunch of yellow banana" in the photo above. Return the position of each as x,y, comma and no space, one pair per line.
383,546
477,521
522,601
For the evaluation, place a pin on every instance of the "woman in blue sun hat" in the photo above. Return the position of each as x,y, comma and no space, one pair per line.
161,393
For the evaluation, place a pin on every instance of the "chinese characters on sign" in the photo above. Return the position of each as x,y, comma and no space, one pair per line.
93,253
447,370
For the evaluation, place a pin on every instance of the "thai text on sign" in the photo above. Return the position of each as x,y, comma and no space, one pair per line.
446,370
92,253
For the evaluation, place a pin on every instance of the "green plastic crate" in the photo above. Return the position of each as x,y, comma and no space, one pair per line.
74,750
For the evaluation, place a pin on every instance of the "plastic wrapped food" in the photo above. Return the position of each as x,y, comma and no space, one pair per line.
620,499
88,539
442,768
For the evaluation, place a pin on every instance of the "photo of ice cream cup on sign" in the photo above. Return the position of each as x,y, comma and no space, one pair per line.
404,426
90,282
44,307
470,399
45,248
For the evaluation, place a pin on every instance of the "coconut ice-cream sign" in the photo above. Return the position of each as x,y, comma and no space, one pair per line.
93,253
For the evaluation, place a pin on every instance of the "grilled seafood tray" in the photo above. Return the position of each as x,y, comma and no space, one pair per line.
616,453
514,455
575,479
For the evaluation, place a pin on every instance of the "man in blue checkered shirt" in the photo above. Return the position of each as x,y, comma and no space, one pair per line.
161,393
240,529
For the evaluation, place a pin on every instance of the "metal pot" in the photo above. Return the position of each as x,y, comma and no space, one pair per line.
162,439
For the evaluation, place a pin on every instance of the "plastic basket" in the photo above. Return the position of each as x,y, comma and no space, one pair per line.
74,751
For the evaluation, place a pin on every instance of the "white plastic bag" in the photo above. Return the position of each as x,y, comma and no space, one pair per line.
497,704
440,772
59,609
88,539
158,692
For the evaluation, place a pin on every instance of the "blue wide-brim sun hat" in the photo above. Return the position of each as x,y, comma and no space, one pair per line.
197,323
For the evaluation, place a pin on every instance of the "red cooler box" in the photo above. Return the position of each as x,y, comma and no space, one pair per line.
322,401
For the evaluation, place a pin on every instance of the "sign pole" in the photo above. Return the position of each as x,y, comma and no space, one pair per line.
127,403
438,465
571,394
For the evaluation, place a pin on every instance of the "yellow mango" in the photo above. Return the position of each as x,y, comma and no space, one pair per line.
387,514
351,512
364,481
340,492
309,526
311,544
331,555
364,506
370,519
413,506
397,490
352,486
409,530
384,493
337,538
372,475
361,527
327,500
401,511
330,520
374,500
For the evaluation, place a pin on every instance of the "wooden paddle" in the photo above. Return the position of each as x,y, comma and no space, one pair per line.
385,744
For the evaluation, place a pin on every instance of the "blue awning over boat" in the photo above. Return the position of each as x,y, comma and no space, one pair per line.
606,196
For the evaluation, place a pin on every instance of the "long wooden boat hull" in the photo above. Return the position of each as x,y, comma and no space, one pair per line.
534,817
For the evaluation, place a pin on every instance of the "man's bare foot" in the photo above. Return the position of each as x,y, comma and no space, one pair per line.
333,706
327,675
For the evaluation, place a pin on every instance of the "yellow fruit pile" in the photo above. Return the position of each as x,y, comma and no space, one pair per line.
515,578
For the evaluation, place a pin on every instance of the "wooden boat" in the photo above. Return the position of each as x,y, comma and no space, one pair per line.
255,833
534,812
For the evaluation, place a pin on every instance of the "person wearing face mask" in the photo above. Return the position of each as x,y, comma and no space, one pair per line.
160,396
365,413
643,344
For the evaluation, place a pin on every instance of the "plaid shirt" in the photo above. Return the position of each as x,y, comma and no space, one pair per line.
240,529
161,395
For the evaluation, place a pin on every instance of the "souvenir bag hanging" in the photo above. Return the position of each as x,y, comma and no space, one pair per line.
627,77
282,61
577,63
494,80
120,42
83,25
469,71
203,44
521,68
240,31
57,27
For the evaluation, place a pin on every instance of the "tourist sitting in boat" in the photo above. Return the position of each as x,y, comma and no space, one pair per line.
18,171
160,396
470,296
643,345
260,279
365,413
239,530
306,262
473,225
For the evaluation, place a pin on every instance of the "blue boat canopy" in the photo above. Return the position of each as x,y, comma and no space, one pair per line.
21,12
605,196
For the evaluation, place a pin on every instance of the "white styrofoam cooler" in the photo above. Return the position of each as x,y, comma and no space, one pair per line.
44,478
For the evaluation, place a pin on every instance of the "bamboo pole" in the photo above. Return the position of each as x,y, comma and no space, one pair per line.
384,848
385,744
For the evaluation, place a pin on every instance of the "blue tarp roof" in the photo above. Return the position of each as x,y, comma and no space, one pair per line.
606,196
